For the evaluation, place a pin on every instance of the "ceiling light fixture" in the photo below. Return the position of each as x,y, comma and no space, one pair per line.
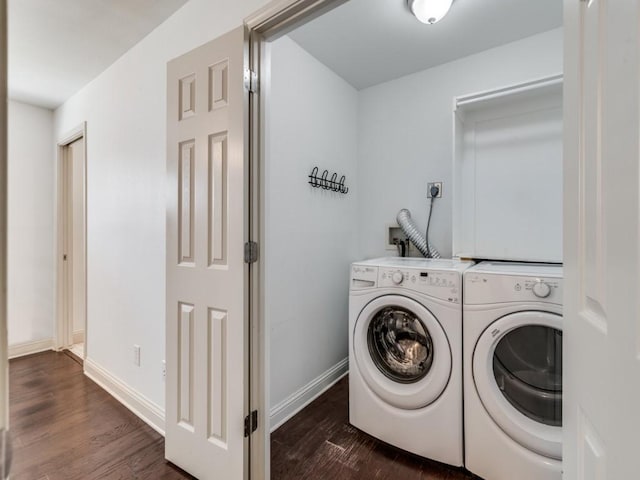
429,11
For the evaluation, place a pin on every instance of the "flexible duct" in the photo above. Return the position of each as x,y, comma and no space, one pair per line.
417,238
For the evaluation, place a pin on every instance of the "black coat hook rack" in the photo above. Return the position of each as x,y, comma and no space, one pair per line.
327,183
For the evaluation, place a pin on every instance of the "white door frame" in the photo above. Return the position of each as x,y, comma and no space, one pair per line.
4,352
64,328
274,20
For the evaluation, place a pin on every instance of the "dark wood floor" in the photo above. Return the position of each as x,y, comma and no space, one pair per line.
65,427
320,444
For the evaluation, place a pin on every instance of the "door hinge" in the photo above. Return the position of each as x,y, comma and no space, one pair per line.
250,252
250,423
251,81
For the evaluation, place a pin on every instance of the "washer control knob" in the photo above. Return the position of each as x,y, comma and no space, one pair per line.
541,289
397,278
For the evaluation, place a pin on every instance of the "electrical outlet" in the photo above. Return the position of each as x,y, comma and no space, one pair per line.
136,355
164,369
438,185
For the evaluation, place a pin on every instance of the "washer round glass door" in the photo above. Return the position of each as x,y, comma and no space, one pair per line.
517,369
402,352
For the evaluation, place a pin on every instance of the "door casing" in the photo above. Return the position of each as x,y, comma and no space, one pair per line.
64,327
274,20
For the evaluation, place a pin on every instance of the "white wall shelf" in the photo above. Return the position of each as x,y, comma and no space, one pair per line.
507,198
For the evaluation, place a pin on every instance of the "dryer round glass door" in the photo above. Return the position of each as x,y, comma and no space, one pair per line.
402,352
517,369
527,365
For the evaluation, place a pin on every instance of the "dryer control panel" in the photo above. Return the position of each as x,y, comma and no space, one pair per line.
487,288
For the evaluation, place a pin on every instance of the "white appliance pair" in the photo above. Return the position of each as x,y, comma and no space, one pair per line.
409,345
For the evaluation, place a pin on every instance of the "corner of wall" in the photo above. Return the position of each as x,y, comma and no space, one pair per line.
150,413
299,399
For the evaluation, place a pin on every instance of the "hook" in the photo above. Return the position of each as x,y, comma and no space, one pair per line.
327,183
324,180
341,187
313,178
333,183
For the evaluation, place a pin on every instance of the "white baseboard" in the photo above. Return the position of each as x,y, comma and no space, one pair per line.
28,348
291,405
145,409
78,337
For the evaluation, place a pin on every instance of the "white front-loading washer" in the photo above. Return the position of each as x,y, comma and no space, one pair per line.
513,371
405,354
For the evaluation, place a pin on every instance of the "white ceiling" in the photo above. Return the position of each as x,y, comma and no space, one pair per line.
58,46
368,42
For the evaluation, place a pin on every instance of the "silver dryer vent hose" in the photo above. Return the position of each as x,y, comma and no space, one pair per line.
417,238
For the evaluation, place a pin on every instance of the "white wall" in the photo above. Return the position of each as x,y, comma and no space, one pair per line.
404,139
30,224
406,134
311,234
126,167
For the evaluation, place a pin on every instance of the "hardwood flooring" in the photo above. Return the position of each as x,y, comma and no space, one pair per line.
65,427
319,444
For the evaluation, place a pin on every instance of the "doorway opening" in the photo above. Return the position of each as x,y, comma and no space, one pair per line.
374,104
71,249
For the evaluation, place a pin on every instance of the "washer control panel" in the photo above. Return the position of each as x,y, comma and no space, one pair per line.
440,284
435,278
363,277
485,288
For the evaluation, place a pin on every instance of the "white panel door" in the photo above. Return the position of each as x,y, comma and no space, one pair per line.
206,337
601,248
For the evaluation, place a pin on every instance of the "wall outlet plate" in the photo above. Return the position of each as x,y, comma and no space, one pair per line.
136,355
434,184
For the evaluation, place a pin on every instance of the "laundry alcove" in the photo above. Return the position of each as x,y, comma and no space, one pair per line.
389,137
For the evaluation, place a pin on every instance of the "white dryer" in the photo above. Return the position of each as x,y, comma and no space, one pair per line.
405,354
513,371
